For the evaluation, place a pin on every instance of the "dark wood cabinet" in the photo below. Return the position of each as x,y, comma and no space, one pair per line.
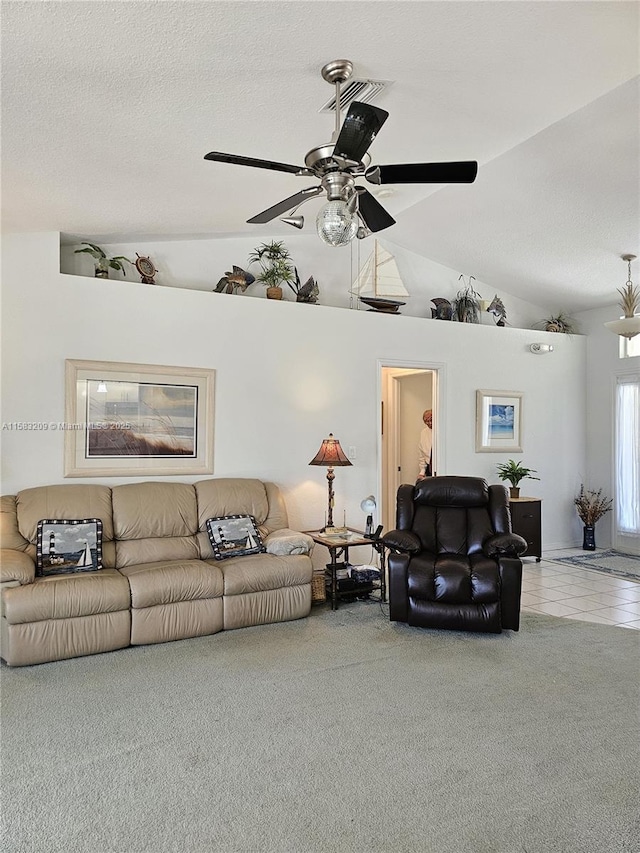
526,521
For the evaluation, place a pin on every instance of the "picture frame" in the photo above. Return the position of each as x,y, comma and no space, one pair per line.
129,420
498,421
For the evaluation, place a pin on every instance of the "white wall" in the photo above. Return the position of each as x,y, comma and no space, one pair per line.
603,366
286,375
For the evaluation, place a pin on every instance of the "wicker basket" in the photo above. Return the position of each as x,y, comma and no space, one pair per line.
318,591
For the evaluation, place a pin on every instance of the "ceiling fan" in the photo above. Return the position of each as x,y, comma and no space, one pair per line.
351,210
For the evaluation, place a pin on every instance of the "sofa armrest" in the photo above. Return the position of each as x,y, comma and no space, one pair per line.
16,566
402,540
504,545
285,542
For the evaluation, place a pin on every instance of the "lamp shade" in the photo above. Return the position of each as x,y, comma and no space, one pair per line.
330,453
368,504
629,325
626,327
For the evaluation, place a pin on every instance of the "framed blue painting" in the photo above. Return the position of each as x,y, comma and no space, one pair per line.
498,421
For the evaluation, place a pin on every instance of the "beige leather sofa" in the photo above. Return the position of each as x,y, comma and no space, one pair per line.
160,581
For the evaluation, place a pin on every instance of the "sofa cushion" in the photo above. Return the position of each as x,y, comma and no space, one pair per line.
154,510
234,536
179,580
66,596
260,572
229,496
156,550
65,546
71,500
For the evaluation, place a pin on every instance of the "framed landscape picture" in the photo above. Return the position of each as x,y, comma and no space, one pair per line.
126,419
498,421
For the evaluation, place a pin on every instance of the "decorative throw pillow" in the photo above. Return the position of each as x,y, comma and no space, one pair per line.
234,536
67,545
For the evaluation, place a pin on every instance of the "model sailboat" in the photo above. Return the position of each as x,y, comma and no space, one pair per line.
379,278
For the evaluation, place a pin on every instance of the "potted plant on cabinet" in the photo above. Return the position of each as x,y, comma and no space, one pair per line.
512,472
591,506
276,269
103,262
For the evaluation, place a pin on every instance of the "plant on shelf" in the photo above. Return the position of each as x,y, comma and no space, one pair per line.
466,305
276,268
512,472
591,506
103,262
558,323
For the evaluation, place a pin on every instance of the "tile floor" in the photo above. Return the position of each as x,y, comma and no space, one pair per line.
576,593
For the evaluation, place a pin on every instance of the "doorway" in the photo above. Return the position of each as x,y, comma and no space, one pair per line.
406,391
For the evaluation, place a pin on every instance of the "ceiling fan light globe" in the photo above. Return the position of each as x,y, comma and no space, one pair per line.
336,224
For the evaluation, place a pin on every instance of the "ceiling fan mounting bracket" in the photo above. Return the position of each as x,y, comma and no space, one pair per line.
337,71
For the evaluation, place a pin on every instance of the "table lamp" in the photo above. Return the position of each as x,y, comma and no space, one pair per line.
331,455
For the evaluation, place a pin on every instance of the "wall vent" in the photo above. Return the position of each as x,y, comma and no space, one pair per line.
356,90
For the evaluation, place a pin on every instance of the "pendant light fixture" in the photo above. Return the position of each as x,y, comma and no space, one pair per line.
629,325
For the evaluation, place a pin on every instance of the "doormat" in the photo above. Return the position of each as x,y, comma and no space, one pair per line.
610,562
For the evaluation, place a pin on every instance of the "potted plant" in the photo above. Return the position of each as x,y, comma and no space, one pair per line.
103,262
513,472
274,260
558,323
591,506
466,305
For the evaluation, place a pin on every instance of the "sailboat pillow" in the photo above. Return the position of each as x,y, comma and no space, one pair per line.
234,536
68,545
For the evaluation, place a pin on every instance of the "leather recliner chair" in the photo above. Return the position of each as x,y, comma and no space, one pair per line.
454,561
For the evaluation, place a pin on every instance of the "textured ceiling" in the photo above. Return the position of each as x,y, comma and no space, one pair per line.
109,107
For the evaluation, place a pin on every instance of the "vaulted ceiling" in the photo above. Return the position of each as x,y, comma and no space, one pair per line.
109,107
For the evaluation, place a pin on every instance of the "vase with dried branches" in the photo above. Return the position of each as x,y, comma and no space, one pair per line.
591,506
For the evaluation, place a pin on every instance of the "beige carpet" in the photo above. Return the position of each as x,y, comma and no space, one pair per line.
341,732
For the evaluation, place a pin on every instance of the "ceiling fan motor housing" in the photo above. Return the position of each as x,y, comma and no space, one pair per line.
338,185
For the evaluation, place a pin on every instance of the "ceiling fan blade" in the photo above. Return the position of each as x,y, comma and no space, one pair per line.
376,218
252,161
461,172
359,129
284,205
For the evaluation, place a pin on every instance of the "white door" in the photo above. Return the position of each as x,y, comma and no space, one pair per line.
626,529
406,391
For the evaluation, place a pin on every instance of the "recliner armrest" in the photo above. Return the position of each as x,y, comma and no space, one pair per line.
402,540
504,545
